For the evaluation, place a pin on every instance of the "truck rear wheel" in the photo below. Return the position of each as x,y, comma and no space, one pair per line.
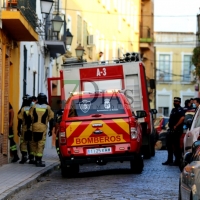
152,149
137,164
147,151
69,170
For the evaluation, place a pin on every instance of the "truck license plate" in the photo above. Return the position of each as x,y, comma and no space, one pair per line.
99,150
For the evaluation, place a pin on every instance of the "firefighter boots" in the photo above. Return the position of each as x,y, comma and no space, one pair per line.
24,158
31,159
39,162
16,157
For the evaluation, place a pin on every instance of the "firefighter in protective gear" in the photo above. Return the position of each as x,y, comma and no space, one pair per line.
58,119
13,146
24,128
41,114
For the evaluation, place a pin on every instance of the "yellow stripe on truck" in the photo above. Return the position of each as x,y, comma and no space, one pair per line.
123,124
112,136
89,130
72,127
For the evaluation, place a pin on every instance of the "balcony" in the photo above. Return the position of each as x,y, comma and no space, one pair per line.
145,37
55,41
19,20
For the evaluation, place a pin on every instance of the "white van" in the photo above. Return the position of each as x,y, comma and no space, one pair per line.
193,131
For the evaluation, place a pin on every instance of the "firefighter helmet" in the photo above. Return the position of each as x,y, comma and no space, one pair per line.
42,98
27,99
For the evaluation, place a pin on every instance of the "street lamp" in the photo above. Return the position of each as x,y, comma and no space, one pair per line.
57,23
69,37
79,51
46,6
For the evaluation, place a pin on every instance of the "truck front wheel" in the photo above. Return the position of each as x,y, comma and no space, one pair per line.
137,164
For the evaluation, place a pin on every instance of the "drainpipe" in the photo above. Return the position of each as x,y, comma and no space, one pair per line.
155,77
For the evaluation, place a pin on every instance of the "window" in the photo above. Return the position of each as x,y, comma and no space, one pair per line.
101,105
85,33
164,73
124,9
129,12
108,5
163,110
79,29
132,16
115,2
102,46
114,48
187,65
107,52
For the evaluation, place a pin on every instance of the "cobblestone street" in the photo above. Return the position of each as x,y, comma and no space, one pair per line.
112,181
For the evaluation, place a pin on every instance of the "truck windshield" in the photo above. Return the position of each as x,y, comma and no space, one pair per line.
101,105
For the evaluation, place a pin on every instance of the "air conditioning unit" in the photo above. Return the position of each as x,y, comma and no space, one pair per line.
91,40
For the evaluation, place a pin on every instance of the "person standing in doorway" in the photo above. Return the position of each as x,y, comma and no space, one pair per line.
13,146
176,120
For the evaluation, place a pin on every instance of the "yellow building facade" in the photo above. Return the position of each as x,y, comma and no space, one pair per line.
15,28
108,26
113,27
174,69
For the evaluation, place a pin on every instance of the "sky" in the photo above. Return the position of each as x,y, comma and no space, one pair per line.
176,15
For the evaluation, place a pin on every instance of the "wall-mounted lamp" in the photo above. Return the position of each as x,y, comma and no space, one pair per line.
57,23
46,6
69,37
79,51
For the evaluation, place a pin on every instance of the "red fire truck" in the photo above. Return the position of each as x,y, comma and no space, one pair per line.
129,77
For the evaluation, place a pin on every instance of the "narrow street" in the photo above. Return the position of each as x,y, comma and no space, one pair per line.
112,181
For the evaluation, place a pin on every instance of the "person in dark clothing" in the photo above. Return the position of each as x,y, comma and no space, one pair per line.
188,105
58,118
196,102
13,146
175,131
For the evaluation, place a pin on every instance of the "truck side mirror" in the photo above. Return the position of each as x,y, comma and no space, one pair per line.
141,113
187,158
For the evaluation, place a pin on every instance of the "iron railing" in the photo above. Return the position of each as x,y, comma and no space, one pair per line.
145,34
27,8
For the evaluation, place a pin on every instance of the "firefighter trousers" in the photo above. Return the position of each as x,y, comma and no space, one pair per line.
13,146
37,144
24,144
